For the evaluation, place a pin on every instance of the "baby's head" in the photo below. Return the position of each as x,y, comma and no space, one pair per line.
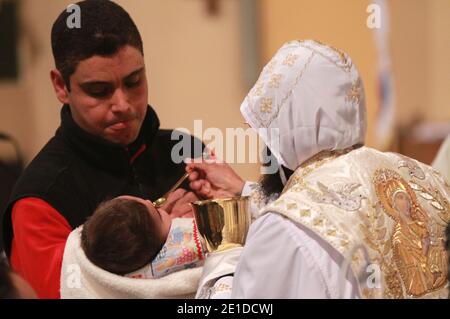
124,234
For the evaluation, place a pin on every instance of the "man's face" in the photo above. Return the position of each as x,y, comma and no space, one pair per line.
108,96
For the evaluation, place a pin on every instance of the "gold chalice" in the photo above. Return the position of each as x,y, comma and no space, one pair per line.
222,223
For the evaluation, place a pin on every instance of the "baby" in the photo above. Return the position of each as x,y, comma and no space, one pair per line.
128,236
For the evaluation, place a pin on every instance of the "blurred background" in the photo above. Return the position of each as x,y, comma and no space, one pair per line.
203,56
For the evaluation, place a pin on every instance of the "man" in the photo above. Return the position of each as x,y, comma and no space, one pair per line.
108,144
351,222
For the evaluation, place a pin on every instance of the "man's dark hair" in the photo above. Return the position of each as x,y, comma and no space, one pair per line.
105,28
121,237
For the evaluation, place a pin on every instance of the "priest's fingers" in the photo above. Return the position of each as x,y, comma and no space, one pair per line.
206,189
194,175
195,172
202,188
196,185
200,167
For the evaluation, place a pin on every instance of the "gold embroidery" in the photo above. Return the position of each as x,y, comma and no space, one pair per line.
290,59
374,231
331,232
422,265
222,287
296,42
344,243
437,205
265,122
344,63
324,156
297,181
275,80
305,213
266,105
436,199
375,234
318,222
291,206
354,93
384,243
393,282
342,55
368,293
426,196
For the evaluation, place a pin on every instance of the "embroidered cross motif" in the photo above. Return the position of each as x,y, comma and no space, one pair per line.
266,105
331,232
275,80
291,206
305,213
290,59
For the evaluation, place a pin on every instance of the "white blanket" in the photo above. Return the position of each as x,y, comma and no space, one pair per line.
80,279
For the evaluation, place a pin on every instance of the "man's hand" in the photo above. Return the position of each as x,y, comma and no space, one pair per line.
214,180
177,204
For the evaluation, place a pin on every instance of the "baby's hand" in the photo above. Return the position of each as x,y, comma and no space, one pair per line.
177,204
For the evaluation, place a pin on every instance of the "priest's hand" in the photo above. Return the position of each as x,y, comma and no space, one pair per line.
177,204
214,180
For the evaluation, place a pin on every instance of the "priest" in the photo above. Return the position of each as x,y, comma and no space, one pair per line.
338,219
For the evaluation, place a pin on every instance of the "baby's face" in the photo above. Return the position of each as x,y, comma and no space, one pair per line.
160,216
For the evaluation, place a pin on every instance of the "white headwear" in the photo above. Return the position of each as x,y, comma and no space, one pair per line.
313,95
